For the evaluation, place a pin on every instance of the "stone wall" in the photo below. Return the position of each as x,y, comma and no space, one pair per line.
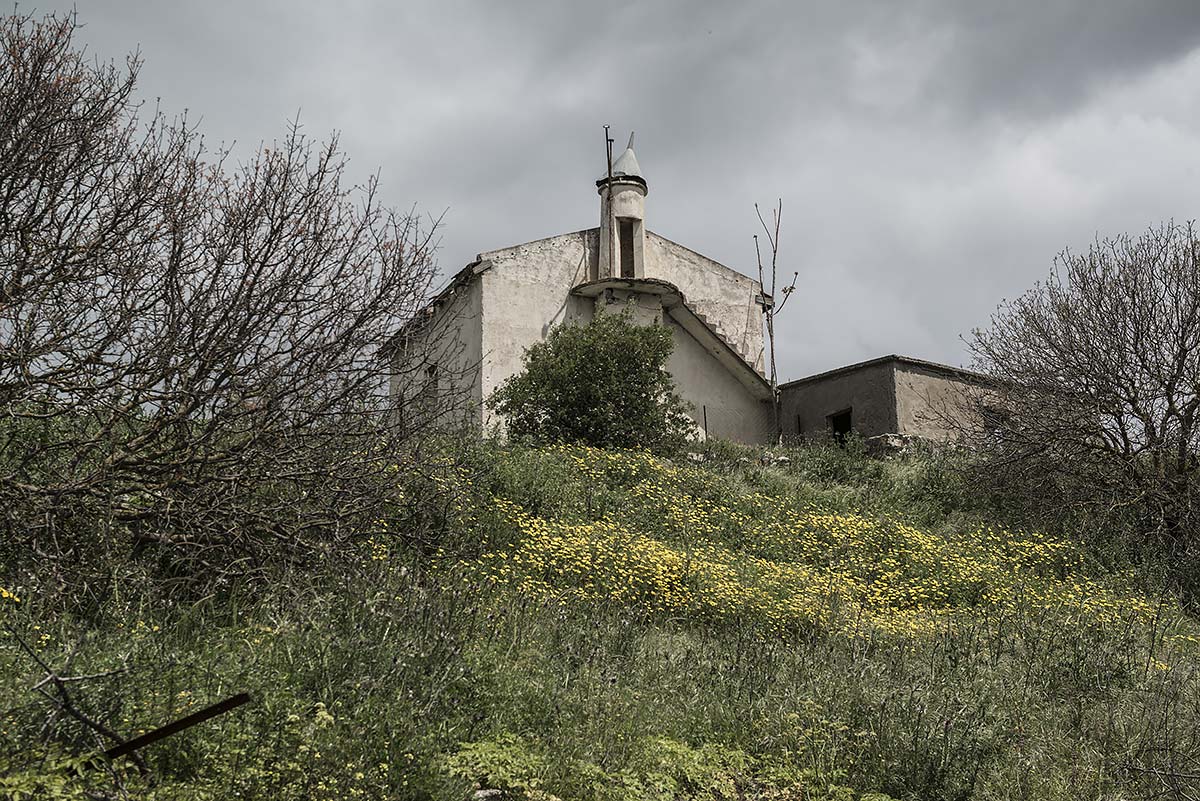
868,391
891,395
928,402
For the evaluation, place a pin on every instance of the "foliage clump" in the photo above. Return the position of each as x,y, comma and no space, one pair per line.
603,384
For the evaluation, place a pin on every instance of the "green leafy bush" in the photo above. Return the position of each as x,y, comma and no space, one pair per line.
603,384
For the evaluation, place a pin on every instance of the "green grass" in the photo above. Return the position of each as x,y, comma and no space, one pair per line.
394,672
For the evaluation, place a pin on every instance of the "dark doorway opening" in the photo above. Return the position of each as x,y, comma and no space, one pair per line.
840,425
626,234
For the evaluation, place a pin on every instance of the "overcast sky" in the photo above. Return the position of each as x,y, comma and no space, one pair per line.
932,157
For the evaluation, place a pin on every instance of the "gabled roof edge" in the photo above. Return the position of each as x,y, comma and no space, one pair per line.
460,279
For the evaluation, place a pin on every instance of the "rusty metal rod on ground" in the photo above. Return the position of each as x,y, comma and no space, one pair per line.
173,728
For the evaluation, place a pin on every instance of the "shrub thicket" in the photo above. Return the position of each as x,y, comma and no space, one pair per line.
607,625
188,350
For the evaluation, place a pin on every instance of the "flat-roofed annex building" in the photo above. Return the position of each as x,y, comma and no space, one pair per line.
888,395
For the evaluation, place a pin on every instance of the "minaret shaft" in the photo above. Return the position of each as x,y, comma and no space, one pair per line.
623,219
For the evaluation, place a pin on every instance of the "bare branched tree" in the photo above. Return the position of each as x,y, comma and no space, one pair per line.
188,351
1096,406
770,308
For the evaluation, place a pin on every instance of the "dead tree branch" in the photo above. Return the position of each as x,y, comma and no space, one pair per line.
770,308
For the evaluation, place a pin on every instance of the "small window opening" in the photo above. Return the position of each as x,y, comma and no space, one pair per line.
428,396
996,421
840,425
418,403
625,231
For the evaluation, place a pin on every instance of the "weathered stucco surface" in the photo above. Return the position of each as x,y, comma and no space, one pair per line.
732,412
526,292
449,339
728,299
927,401
868,392
643,308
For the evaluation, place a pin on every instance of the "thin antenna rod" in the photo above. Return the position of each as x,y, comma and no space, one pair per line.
608,143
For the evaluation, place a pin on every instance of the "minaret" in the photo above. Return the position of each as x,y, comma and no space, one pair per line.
622,218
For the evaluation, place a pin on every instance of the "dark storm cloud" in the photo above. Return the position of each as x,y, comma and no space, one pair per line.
1046,58
932,157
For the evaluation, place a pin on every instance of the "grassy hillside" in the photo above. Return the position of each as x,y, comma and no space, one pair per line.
580,624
